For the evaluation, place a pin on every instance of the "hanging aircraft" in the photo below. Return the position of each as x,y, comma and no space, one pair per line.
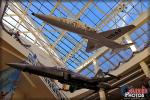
64,76
95,39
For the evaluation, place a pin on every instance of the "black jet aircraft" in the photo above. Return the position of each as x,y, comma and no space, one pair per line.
64,76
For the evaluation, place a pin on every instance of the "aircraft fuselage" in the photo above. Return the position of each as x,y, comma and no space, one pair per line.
70,25
64,76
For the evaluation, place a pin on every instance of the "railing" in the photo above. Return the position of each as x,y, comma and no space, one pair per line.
54,88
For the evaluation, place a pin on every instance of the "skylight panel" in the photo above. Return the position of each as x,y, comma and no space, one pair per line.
108,54
105,28
85,72
24,3
72,39
38,21
140,7
124,55
11,19
114,61
121,23
77,59
8,11
103,6
75,9
129,53
74,36
118,58
110,3
68,5
145,38
101,60
45,10
133,13
72,64
22,28
127,19
80,5
37,4
34,8
139,44
92,16
76,56
111,24
146,3
106,66
69,44
31,37
84,18
97,11
133,36
8,24
63,52
49,6
84,56
58,13
63,47
83,50
139,32
146,26
69,66
91,67
90,75
50,37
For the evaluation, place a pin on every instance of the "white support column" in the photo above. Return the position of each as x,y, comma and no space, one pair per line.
96,68
145,68
102,94
101,91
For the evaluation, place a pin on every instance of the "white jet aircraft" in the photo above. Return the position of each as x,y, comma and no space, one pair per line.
95,39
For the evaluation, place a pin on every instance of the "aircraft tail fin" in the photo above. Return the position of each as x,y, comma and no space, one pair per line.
126,46
101,75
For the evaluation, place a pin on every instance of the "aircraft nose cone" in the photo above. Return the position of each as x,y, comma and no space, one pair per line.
16,66
33,14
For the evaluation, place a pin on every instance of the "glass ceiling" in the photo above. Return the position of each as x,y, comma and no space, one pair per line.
70,47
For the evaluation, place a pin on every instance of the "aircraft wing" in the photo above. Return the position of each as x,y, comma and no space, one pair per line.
91,46
114,45
116,33
106,39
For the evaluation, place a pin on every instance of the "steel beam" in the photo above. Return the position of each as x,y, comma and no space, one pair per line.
37,36
96,67
121,6
145,68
